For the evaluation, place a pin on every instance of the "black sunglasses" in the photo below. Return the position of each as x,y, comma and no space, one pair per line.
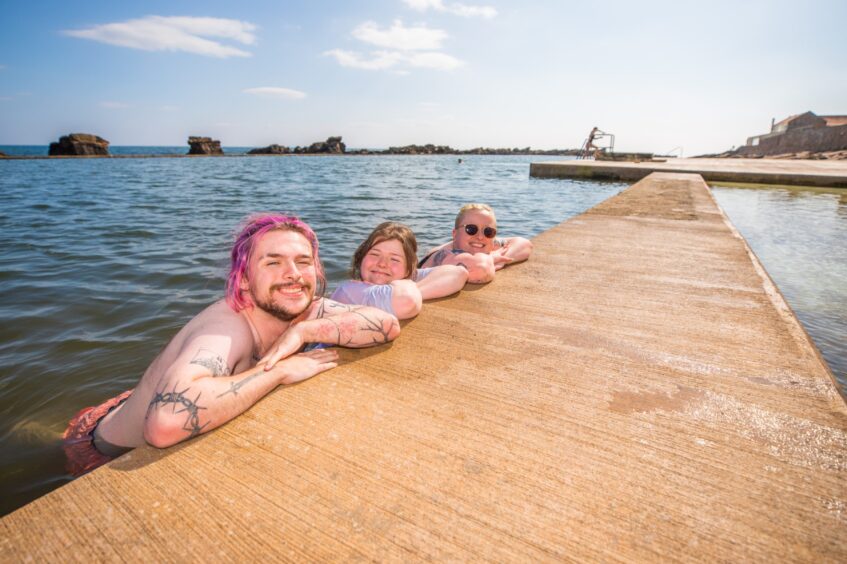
472,230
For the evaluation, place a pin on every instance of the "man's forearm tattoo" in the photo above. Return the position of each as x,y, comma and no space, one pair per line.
380,334
235,386
188,406
211,361
331,308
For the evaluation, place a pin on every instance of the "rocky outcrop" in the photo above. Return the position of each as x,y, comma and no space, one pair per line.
270,150
332,145
428,149
204,146
79,144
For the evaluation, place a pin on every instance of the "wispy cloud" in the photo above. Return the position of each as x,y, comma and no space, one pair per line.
457,9
5,98
379,60
402,48
275,92
114,105
400,37
174,33
384,60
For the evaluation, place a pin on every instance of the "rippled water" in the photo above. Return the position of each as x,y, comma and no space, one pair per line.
103,260
800,236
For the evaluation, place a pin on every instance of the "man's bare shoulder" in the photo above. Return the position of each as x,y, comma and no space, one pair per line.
219,322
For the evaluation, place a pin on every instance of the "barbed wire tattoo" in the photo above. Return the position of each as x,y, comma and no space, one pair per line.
176,398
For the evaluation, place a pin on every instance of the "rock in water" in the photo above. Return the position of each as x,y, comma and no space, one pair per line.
270,150
331,145
204,146
80,144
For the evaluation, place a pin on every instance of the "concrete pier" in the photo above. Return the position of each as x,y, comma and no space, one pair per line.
638,390
821,173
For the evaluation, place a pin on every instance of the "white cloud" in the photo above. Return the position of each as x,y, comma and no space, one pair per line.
114,105
403,48
384,60
380,60
275,92
177,33
400,37
457,9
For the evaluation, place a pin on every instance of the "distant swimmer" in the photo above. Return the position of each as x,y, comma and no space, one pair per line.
235,351
460,161
476,247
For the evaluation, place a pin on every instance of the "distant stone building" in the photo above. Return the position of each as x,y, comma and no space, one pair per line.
799,133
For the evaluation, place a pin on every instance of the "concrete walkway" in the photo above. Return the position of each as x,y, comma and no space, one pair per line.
638,390
754,171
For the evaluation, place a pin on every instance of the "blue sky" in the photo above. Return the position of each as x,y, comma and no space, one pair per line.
659,75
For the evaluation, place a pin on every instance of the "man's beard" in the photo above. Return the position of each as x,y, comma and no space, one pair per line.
280,312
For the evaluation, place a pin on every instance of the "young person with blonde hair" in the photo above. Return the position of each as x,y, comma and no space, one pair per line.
475,245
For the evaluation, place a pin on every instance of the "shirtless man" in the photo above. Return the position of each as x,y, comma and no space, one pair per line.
236,350
475,245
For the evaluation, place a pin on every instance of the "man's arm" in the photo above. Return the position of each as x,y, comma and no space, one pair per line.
196,393
336,324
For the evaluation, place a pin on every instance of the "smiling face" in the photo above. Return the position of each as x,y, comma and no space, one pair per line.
281,276
477,243
384,263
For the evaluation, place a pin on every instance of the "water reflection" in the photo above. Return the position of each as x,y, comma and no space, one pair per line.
799,234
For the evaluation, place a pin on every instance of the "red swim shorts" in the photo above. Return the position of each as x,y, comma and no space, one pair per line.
78,440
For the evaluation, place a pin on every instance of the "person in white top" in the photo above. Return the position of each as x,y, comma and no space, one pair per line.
385,274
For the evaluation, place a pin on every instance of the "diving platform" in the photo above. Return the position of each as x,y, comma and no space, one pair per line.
639,390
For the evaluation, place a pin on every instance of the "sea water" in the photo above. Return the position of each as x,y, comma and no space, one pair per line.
103,260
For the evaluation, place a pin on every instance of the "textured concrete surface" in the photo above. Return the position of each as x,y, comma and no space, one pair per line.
756,171
638,390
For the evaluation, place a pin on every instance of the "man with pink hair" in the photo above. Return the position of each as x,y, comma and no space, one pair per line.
235,351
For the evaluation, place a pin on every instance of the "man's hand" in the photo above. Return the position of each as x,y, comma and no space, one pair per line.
305,365
288,343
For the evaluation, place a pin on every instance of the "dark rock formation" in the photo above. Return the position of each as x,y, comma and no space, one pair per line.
270,150
428,149
79,144
332,145
204,146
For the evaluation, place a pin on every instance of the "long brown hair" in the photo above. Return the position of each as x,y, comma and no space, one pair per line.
385,232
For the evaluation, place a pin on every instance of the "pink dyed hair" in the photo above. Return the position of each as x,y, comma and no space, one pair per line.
255,227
